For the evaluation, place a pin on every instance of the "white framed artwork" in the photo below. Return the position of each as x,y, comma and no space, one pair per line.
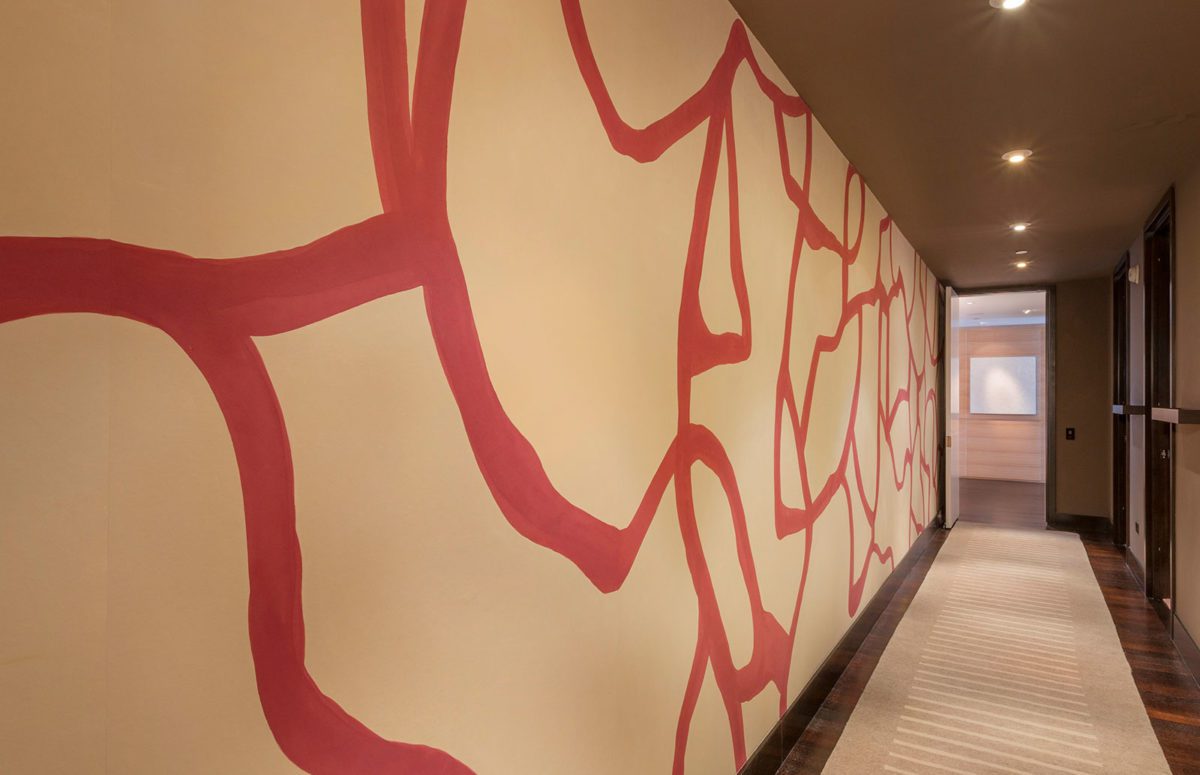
1004,385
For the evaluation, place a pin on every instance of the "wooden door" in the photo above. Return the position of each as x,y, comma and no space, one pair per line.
1160,377
1120,400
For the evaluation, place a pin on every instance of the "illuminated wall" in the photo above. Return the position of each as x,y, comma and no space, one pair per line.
518,388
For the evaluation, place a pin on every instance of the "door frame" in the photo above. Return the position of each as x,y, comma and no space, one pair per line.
1051,421
1120,398
943,429
1160,579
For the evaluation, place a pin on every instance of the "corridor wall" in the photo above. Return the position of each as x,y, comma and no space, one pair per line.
1083,383
527,387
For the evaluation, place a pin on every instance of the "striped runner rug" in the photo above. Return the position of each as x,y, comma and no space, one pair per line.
1007,661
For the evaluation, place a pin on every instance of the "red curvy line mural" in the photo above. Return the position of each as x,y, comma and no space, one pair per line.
213,308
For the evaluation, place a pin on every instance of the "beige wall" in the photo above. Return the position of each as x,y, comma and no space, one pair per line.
1083,386
1187,394
225,129
1006,448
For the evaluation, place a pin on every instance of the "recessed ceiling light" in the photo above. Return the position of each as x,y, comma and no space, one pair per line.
1028,311
1018,156
1007,5
1022,252
1022,264
1020,226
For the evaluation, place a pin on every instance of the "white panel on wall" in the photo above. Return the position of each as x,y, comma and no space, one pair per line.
1004,385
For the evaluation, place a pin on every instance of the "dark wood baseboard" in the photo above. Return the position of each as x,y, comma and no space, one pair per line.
1165,614
1080,523
1135,567
1187,648
769,756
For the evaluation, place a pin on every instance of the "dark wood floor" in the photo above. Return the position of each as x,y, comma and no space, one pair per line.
1168,689
1008,503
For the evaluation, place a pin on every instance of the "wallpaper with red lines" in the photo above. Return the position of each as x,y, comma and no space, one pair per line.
828,468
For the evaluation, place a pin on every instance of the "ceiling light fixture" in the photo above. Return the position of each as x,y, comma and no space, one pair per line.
1018,156
1022,252
1022,264
1020,226
1007,5
1028,311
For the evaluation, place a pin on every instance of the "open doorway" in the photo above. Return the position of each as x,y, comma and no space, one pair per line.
998,376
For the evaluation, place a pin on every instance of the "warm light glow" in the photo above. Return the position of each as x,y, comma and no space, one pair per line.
1022,252
1008,5
1018,156
1020,226
1022,264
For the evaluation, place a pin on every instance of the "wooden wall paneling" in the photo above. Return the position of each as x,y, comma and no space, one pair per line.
1010,448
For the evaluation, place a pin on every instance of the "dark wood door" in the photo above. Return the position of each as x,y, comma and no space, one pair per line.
1120,400
1160,378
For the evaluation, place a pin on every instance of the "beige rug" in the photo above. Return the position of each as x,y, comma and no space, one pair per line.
1007,661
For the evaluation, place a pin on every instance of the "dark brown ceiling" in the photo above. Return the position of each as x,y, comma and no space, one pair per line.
924,96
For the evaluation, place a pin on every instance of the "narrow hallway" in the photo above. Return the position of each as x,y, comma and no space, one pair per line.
1007,659
600,387
990,615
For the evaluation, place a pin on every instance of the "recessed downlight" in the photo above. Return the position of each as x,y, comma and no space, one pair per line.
1007,5
1020,226
1017,156
1028,311
1022,252
1022,264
